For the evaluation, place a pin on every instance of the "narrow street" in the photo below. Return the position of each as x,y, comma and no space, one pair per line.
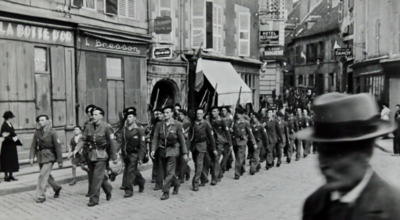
275,194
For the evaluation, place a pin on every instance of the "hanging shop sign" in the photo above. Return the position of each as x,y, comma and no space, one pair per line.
163,25
343,52
269,37
34,33
110,45
162,52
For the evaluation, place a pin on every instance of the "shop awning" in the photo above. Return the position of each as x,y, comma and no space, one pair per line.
229,82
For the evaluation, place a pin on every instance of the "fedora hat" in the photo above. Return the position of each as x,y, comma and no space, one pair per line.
342,118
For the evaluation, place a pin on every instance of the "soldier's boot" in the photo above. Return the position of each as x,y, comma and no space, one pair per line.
165,196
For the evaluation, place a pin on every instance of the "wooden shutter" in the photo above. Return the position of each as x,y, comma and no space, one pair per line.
244,34
198,22
132,8
122,8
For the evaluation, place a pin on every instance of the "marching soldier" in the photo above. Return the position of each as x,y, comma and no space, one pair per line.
183,168
201,135
133,147
168,139
301,125
157,175
99,138
227,117
274,136
242,133
261,137
47,149
88,111
223,141
293,127
307,122
283,126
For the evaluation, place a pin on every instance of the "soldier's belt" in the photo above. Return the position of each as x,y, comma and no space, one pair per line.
40,148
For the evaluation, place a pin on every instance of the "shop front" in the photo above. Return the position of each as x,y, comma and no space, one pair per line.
37,76
111,74
369,77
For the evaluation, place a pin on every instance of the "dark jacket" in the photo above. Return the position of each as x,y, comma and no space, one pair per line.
283,126
260,135
46,146
201,137
242,132
221,131
170,138
274,132
132,141
378,200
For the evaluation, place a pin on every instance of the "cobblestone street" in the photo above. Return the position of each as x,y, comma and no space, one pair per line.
274,194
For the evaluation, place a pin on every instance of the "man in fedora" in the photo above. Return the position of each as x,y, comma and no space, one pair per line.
346,127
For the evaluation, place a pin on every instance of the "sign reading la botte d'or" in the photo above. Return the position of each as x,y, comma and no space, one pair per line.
34,33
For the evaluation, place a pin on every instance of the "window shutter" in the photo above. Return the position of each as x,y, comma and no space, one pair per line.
198,23
111,7
90,4
244,34
132,8
122,8
77,3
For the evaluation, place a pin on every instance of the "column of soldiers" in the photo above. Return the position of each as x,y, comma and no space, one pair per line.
169,139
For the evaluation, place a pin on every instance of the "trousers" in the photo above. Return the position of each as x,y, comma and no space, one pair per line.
97,180
182,167
131,173
255,160
157,173
239,159
226,153
167,168
211,164
396,144
289,148
198,158
269,153
44,178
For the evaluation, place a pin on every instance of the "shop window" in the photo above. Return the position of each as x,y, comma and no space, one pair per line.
244,34
374,85
114,67
89,4
41,60
217,28
127,8
165,11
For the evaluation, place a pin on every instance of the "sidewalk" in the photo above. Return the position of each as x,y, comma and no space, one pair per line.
27,176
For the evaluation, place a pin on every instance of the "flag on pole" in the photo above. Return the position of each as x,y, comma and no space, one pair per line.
199,81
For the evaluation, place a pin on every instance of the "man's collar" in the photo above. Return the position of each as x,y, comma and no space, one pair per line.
353,195
170,121
132,126
199,121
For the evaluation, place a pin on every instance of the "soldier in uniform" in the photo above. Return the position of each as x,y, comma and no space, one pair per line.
182,168
274,136
156,175
283,126
241,134
227,117
47,149
99,138
300,123
133,147
169,140
261,137
223,140
307,122
293,127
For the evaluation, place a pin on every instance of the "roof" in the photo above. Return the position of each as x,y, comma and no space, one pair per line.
326,19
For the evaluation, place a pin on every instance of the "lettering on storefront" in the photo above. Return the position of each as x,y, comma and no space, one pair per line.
94,43
12,30
166,70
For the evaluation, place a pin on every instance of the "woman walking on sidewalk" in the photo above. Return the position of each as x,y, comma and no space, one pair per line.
9,154
75,159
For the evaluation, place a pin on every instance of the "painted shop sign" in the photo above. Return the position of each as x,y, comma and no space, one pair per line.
269,37
165,70
93,43
11,30
163,25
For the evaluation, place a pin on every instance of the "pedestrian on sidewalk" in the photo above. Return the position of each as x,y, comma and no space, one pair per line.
396,139
169,140
75,159
47,149
9,153
132,143
353,190
99,138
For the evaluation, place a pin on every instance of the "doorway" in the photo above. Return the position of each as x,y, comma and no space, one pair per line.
168,93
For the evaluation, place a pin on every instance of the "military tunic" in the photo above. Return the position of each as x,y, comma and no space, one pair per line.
241,134
261,137
182,167
223,141
47,149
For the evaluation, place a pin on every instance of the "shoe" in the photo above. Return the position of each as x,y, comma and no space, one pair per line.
278,164
267,167
237,177
41,200
57,193
13,178
305,155
252,172
181,180
91,204
196,189
288,160
135,183
156,188
187,176
273,164
6,179
73,182
213,183
141,188
202,184
153,181
176,190
165,196
258,168
297,159
128,195
122,188
109,197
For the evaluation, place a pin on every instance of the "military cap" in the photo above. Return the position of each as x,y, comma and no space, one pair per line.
259,116
279,114
240,111
215,107
184,112
130,111
89,108
168,107
97,109
38,117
